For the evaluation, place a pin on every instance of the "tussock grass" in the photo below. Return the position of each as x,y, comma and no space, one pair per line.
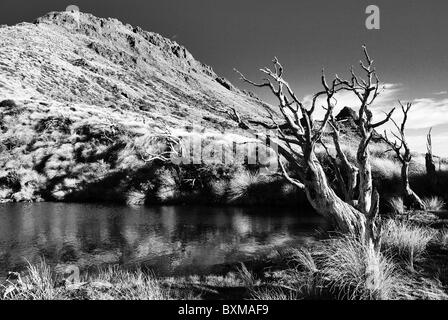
247,277
443,237
340,268
305,260
396,205
39,282
135,198
434,203
405,240
245,185
276,294
384,168
168,185
218,189
125,285
241,183
345,268
356,271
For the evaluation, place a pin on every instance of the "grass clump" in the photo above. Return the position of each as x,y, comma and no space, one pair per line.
246,276
39,282
245,185
117,284
434,203
405,240
275,294
340,268
396,206
443,237
355,271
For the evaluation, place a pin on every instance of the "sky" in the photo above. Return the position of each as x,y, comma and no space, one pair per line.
410,48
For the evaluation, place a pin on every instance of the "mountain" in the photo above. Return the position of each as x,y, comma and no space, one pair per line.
107,64
80,96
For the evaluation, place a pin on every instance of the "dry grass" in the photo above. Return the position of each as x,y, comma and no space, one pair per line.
247,277
434,203
127,285
344,268
406,241
356,271
275,294
243,183
384,168
396,206
39,282
443,237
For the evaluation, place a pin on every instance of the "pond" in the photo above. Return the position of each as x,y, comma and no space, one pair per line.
170,240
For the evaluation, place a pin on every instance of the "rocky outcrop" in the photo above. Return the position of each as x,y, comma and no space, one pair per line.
347,113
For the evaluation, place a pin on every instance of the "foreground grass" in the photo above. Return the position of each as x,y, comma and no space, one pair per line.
410,265
39,282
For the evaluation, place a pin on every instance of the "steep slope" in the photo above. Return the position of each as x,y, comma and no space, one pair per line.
105,63
81,101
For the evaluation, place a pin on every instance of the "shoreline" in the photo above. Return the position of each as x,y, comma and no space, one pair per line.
291,274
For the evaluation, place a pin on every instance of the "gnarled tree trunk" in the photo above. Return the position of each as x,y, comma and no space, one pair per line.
365,177
325,201
348,185
410,198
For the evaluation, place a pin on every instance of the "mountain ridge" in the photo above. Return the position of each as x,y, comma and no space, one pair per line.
101,60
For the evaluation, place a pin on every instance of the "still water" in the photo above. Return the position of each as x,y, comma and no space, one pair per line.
169,240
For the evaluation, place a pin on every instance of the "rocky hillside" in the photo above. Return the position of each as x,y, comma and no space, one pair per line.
80,99
104,63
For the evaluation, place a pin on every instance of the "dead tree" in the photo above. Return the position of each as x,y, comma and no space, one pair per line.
297,145
429,160
403,154
346,172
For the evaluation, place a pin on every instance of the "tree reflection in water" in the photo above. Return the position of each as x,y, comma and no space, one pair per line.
168,239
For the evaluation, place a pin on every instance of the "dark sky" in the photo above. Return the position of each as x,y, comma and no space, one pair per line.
410,49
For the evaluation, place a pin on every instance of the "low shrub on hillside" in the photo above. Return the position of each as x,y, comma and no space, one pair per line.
103,133
9,108
54,123
11,181
8,104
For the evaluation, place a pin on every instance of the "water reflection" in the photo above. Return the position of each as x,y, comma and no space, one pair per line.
168,239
